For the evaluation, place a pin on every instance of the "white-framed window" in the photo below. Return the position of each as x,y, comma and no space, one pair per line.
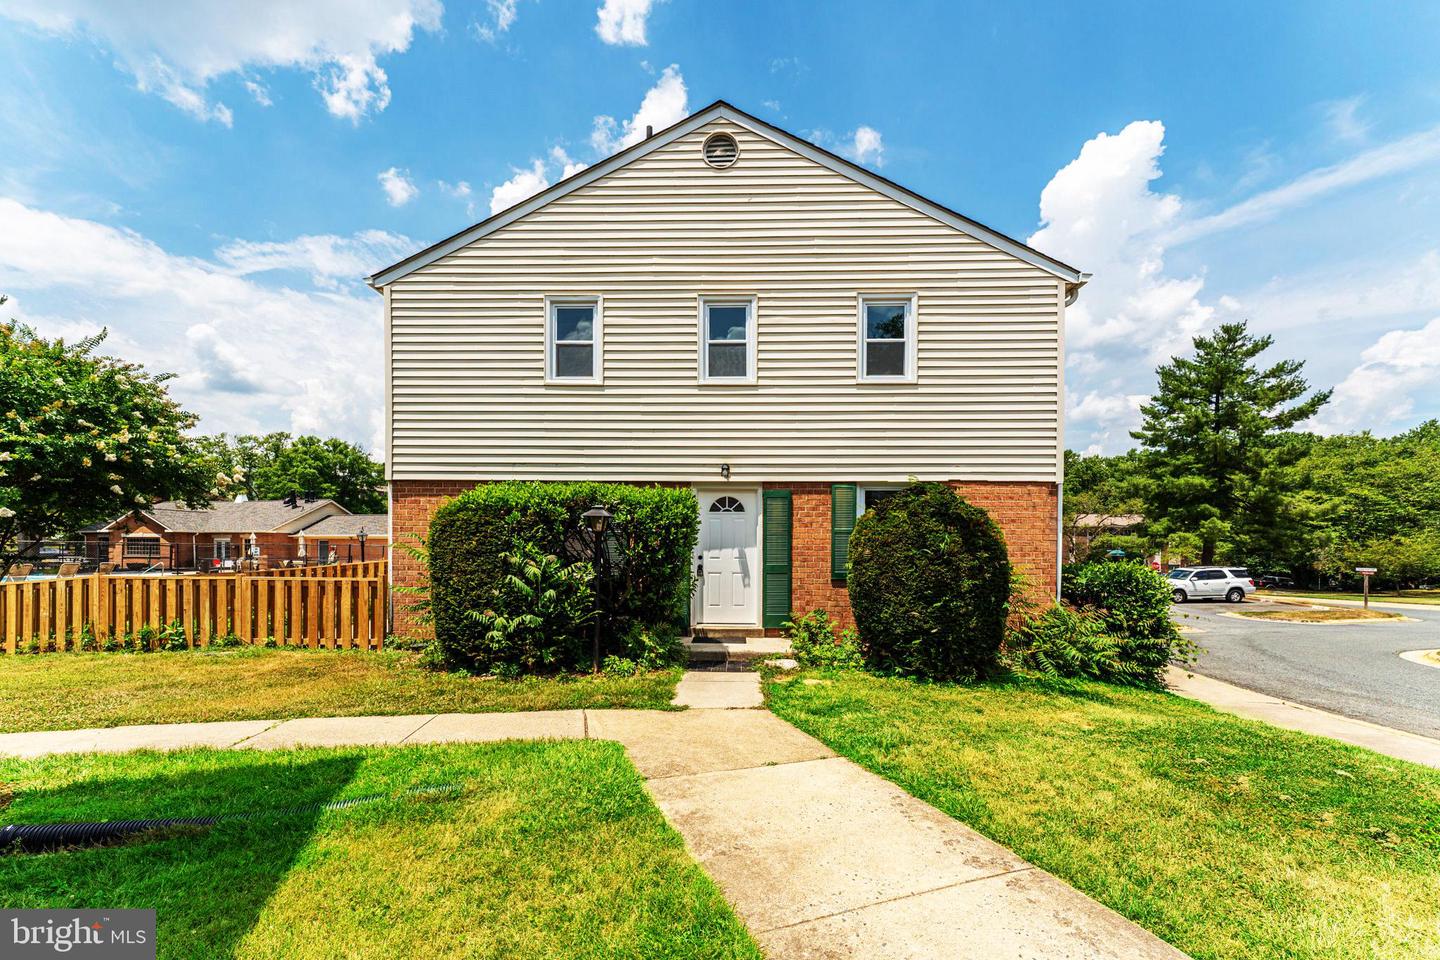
573,339
867,496
886,351
727,340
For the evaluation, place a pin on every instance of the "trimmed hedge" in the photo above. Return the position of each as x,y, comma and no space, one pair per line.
658,527
929,585
1133,602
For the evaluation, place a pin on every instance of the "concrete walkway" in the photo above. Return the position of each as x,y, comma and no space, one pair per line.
819,857
1295,716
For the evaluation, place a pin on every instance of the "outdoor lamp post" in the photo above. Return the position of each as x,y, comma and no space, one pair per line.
361,537
597,519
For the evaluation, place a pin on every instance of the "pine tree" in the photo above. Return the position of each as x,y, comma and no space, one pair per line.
1218,424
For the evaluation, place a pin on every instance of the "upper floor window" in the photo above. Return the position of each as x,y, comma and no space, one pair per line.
887,339
572,340
727,340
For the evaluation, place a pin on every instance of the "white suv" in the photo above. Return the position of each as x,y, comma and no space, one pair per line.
1210,583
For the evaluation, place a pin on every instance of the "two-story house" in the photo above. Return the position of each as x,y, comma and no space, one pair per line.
729,307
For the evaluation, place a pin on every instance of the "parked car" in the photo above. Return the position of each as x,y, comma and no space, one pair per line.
1210,583
1275,581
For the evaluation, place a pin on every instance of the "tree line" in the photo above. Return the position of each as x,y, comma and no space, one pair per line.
85,438
1223,474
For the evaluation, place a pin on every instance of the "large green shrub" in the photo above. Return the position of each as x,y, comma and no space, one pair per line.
929,585
533,621
1133,602
656,529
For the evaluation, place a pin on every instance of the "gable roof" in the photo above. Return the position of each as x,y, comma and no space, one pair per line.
225,516
720,110
348,525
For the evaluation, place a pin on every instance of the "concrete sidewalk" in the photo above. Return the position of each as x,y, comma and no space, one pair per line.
819,857
1399,744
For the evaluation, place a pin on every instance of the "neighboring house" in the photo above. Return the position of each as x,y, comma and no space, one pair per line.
728,307
171,536
1085,527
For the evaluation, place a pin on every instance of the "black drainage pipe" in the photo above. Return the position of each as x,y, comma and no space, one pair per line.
35,837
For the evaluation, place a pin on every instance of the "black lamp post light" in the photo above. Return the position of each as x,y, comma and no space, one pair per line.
597,521
361,536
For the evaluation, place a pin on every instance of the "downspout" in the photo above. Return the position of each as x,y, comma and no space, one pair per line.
1072,293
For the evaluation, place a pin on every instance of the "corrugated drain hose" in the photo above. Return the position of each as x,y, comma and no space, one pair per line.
33,837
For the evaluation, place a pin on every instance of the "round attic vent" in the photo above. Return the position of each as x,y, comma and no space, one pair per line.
721,150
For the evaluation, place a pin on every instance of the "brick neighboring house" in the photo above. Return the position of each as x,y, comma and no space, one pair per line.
171,536
728,307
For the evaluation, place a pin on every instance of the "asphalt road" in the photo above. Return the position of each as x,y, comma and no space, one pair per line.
1350,669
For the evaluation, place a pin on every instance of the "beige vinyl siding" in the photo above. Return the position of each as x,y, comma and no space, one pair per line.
467,361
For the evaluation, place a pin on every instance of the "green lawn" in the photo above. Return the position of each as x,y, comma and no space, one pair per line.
552,850
1377,596
56,691
1227,837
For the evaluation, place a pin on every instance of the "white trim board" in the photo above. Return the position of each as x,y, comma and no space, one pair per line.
720,110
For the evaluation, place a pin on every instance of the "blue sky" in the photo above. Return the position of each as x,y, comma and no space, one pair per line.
211,180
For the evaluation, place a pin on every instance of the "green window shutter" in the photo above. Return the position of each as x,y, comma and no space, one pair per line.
775,562
842,522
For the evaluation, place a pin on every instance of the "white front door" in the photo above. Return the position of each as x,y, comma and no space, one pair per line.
729,557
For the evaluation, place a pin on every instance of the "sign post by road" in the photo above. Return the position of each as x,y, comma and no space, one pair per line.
1365,572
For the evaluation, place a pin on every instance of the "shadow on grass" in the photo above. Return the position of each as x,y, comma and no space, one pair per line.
207,886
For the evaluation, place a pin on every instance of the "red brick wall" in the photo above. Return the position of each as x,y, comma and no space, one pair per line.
412,504
1025,511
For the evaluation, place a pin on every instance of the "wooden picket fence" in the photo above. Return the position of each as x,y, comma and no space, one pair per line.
370,568
71,613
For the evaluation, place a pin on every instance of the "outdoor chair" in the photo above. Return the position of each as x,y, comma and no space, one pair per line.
68,569
105,569
18,571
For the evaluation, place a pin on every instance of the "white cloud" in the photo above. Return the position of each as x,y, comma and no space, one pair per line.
568,167
1111,416
260,94
178,52
459,190
622,22
525,184
1380,392
1398,156
502,17
1343,119
304,359
328,260
866,147
664,105
399,188
1100,212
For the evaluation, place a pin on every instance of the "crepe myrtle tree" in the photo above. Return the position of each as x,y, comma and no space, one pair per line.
85,438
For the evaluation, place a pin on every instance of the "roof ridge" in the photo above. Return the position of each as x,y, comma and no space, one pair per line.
725,109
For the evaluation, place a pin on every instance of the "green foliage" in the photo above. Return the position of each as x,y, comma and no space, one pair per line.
533,620
276,465
85,438
655,530
929,585
1217,426
1063,643
172,636
1133,544
813,642
1132,602
652,646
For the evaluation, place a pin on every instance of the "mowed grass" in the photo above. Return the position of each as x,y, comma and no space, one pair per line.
1387,596
1325,615
63,691
1226,837
553,849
